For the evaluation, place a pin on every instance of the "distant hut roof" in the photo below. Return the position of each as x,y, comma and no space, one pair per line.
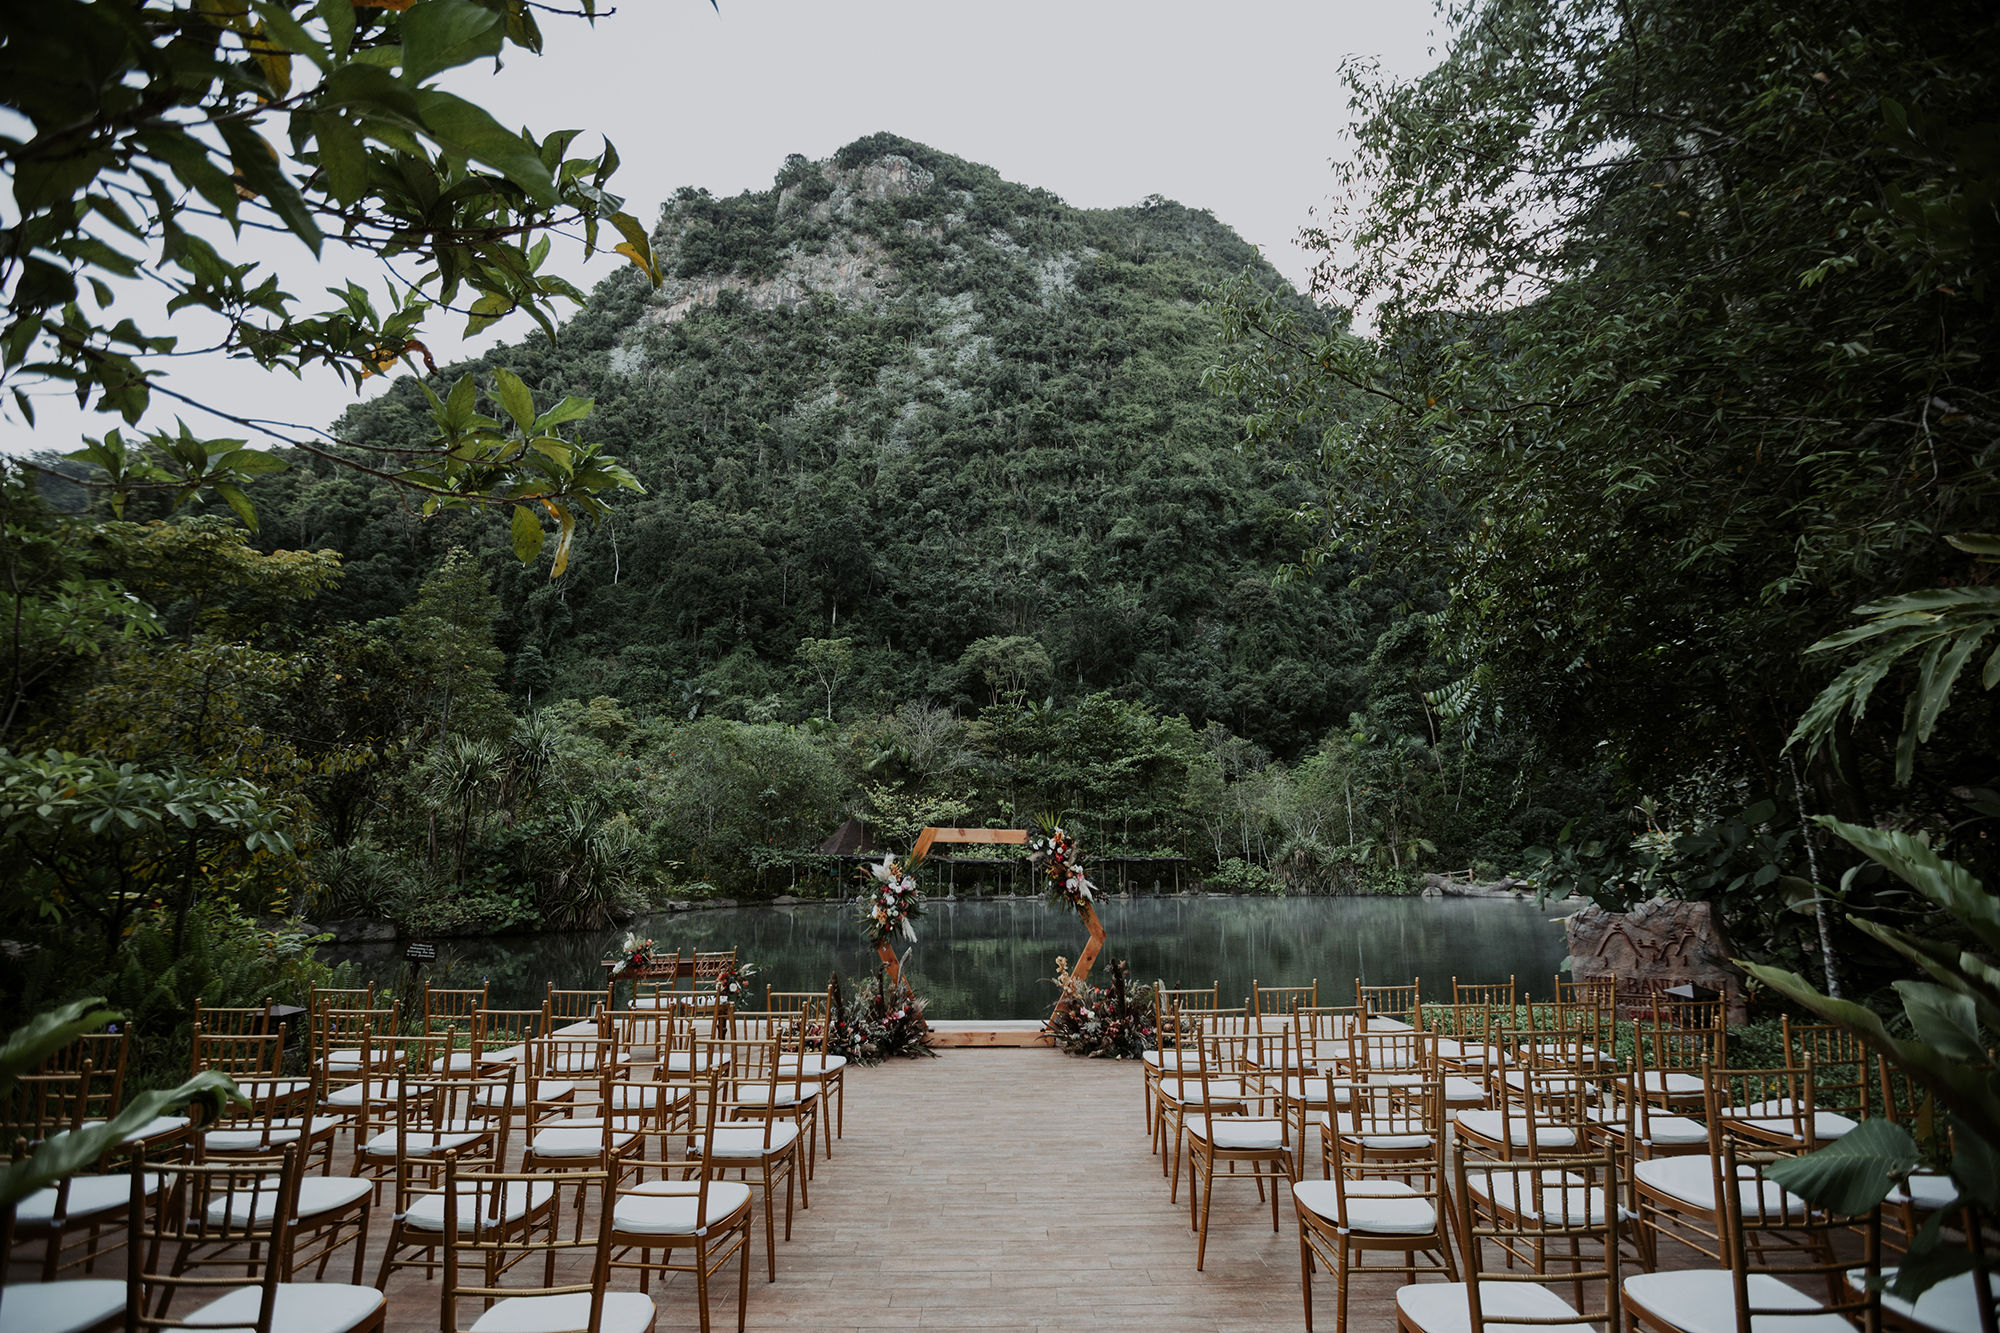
850,839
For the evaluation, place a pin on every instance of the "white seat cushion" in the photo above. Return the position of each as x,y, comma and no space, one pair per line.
548,1090
458,1062
1927,1190
71,1306
426,1211
426,1143
784,1095
1952,1306
625,1096
1392,1142
157,1127
1192,1090
89,1196
251,1139
317,1195
1237,1133
624,1312
302,1307
683,1062
1443,1307
1703,1300
749,1144
1464,1092
1488,1125
1167,1059
576,1138
667,1207
1659,1131
587,1028
1313,1091
344,1057
1691,1180
350,1096
1781,1117
1565,1200
1670,1083
810,1065
1374,1207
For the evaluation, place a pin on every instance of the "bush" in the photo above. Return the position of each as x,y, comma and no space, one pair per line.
225,960
1237,875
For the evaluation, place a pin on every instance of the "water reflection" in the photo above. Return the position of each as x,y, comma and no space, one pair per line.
991,958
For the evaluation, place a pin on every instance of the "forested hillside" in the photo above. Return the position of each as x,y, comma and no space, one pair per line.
898,401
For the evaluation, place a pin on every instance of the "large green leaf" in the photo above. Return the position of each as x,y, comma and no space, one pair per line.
1854,1172
1946,883
1947,1021
65,1154
45,1034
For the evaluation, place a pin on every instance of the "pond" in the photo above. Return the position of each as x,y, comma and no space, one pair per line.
990,958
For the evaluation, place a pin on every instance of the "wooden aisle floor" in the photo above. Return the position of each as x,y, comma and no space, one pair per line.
993,1189
999,1189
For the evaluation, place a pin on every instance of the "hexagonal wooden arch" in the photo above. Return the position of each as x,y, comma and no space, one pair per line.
1009,837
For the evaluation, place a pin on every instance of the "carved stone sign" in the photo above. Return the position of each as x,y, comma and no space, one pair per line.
1658,944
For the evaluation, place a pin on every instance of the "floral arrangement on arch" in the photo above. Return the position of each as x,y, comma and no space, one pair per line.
1103,1023
889,902
634,952
732,984
1053,852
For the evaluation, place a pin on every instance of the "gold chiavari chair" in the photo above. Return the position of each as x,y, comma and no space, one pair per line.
1245,1127
566,1012
1389,1005
1672,1042
1179,1091
65,1305
275,1109
572,1296
1384,1191
1537,1110
1165,1057
274,1113
1844,1076
704,1213
793,1097
436,1123
1586,990
763,1148
815,1055
395,1065
1476,1012
708,967
218,1232
233,1022
1280,1001
1773,1245
452,1009
1684,1197
101,1057
1927,1190
568,1133
70,1214
1554,1211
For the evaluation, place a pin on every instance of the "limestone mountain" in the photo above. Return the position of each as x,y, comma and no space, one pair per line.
897,399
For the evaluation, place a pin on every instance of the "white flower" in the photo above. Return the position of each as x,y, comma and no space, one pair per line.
909,932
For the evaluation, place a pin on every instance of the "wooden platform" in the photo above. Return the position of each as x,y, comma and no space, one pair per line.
990,1032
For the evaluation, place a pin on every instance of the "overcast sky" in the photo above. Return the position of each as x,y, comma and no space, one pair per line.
1236,108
